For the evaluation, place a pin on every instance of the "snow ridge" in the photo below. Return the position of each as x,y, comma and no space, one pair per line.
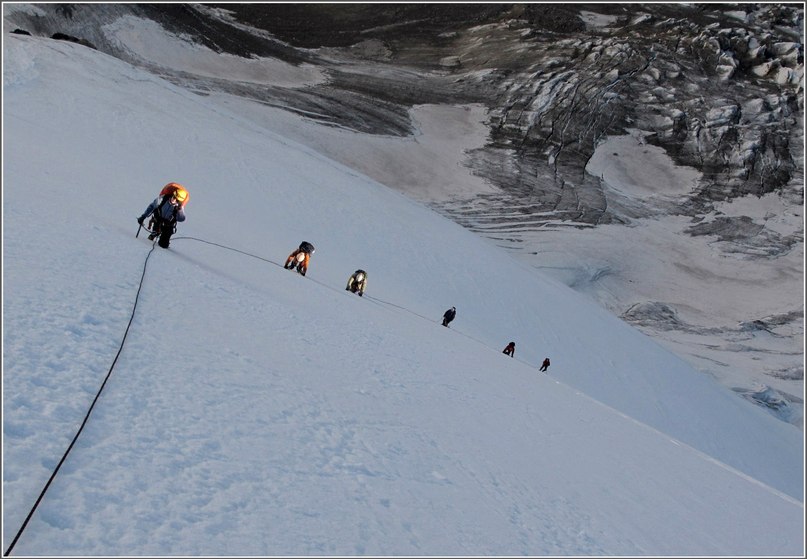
257,412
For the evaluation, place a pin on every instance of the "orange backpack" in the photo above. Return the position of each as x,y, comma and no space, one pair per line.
173,187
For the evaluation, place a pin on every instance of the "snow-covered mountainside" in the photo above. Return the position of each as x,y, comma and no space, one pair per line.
252,411
647,155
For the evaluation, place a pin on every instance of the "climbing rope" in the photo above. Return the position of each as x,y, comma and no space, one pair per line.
374,299
229,248
120,350
89,411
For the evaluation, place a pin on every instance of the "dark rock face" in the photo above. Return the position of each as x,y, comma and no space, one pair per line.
65,37
778,404
718,93
707,87
654,314
335,25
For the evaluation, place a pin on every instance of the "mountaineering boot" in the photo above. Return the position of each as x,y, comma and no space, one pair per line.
154,227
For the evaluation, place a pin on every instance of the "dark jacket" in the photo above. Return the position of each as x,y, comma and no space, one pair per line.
357,283
165,212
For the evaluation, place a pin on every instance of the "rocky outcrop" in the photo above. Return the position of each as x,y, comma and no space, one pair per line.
717,86
70,38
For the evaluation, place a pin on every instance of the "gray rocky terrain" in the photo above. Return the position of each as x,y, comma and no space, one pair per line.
717,87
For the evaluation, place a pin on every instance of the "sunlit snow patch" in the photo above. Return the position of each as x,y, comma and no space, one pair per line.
595,21
637,169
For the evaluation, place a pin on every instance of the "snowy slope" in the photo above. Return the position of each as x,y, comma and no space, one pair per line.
253,411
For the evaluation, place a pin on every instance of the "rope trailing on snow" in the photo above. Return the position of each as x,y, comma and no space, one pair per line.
398,307
229,248
120,350
89,411
374,299
429,319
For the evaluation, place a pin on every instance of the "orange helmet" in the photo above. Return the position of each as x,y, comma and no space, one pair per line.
177,191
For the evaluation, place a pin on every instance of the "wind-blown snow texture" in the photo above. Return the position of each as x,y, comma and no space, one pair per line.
257,412
670,189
